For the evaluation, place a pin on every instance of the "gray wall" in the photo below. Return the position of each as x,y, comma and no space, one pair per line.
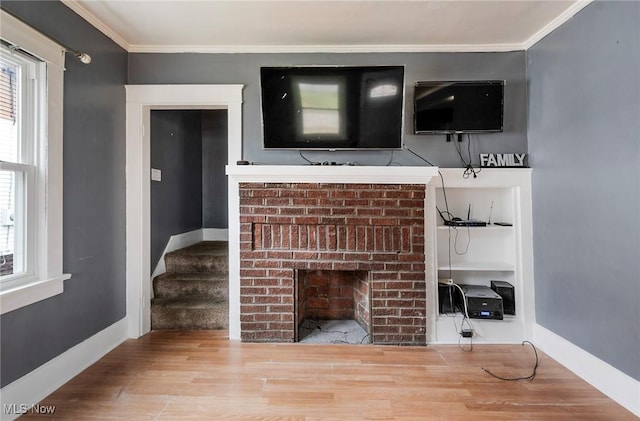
94,199
176,201
245,69
584,141
214,158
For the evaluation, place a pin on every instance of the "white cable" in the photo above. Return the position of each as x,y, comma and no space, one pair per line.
466,309
455,242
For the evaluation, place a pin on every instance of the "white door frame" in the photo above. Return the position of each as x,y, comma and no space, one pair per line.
141,99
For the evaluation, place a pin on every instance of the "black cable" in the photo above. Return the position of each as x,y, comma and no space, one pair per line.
475,169
390,159
514,379
444,191
305,158
469,167
425,160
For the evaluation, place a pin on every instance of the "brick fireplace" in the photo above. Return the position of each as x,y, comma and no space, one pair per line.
361,236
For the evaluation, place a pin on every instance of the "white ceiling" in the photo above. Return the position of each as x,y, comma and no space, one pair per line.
325,25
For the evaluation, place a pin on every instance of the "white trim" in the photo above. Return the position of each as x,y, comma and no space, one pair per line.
28,294
31,40
555,23
44,380
298,174
187,239
141,99
96,22
330,174
233,197
328,48
176,242
215,234
609,380
48,162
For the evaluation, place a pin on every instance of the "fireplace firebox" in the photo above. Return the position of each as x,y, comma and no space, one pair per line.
338,295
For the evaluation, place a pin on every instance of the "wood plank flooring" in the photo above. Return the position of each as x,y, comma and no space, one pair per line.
195,375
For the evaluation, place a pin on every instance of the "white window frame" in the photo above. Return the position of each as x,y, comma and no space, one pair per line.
46,278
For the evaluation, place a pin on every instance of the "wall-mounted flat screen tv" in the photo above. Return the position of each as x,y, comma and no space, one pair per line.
328,108
458,107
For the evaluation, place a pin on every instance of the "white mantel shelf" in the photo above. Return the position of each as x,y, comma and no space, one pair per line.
330,174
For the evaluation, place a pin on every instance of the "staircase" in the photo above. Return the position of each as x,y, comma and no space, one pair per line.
194,291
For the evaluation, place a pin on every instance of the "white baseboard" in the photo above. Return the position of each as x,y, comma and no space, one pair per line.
609,380
44,380
215,234
176,242
187,239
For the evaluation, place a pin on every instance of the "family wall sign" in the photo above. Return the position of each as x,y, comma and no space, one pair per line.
508,160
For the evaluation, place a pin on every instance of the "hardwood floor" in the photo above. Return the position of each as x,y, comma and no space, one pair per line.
193,375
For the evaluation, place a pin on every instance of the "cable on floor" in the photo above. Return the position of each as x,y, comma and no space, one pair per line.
514,379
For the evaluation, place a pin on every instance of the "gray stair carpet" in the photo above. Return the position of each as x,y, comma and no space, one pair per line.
194,292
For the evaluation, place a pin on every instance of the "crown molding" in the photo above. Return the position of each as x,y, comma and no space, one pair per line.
554,24
407,48
97,23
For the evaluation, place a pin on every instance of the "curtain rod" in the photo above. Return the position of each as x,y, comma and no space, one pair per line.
83,57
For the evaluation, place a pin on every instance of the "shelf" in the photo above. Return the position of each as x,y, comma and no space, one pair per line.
479,266
507,317
497,228
477,255
508,330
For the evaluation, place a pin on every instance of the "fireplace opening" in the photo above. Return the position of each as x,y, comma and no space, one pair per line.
333,306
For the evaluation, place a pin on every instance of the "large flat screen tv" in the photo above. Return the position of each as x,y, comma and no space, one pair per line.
458,107
328,108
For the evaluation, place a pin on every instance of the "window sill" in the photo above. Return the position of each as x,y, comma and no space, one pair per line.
25,295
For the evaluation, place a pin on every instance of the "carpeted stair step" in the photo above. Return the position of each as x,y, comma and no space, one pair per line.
189,314
207,256
214,286
194,291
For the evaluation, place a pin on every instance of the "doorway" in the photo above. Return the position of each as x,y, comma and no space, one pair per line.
189,186
188,198
141,99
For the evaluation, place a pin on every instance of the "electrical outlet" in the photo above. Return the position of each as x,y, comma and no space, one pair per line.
467,333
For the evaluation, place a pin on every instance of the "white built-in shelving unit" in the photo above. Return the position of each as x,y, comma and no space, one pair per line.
477,255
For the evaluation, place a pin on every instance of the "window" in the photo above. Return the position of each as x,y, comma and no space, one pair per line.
18,125
30,166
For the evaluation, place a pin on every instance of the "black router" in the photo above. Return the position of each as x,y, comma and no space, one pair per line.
459,222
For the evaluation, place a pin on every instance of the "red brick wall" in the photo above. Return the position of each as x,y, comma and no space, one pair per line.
361,300
331,295
365,227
